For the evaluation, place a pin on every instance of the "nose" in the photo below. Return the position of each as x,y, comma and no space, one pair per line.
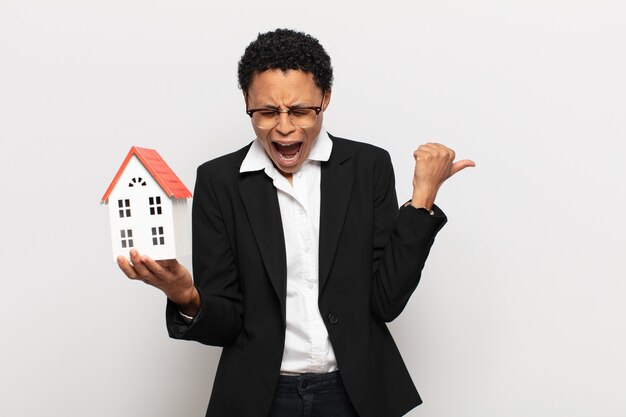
284,125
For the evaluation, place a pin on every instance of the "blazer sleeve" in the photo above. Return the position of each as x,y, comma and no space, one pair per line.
402,241
219,320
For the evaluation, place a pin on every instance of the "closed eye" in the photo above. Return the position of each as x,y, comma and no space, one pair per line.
300,112
267,113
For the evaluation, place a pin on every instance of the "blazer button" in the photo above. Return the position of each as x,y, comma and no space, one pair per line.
333,318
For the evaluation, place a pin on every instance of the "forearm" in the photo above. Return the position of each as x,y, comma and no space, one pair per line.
188,301
399,267
217,322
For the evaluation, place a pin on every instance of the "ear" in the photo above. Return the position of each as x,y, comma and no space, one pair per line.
327,95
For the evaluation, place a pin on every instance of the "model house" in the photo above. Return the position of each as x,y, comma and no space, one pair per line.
148,208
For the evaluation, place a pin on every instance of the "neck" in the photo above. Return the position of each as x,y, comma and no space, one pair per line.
288,176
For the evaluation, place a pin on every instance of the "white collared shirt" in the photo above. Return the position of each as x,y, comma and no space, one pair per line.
307,345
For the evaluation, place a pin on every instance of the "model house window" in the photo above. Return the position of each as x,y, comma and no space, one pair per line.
155,205
127,238
124,208
157,236
137,181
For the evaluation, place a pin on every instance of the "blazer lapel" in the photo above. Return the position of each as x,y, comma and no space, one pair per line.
337,179
261,205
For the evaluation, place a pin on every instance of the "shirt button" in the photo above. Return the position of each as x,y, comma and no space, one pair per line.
333,318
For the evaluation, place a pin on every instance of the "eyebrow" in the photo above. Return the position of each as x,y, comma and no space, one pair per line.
293,106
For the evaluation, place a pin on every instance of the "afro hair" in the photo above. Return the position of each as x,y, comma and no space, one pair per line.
285,49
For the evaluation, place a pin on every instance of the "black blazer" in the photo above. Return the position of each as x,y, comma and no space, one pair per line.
371,255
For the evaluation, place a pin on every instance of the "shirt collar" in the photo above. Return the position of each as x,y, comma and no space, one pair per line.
257,159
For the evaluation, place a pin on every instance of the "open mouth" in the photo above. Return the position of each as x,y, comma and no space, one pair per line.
288,153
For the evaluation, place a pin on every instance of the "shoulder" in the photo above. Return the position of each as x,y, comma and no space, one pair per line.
224,167
357,147
359,152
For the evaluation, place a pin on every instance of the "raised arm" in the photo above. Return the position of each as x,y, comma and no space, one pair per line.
402,239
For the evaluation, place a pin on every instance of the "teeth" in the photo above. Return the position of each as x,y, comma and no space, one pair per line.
286,151
285,144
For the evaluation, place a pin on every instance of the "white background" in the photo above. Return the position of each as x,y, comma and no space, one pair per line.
521,308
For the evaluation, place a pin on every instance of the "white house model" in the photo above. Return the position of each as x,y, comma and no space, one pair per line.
148,208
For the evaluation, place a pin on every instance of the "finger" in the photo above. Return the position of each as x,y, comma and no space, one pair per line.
126,267
424,153
426,147
139,266
433,145
436,150
157,268
459,165
170,265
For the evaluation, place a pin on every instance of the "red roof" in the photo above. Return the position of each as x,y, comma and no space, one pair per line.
158,168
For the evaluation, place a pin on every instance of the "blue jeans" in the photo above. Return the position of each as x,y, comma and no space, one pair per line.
311,395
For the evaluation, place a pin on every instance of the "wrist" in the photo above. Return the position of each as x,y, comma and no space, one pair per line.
420,208
423,201
423,197
189,303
